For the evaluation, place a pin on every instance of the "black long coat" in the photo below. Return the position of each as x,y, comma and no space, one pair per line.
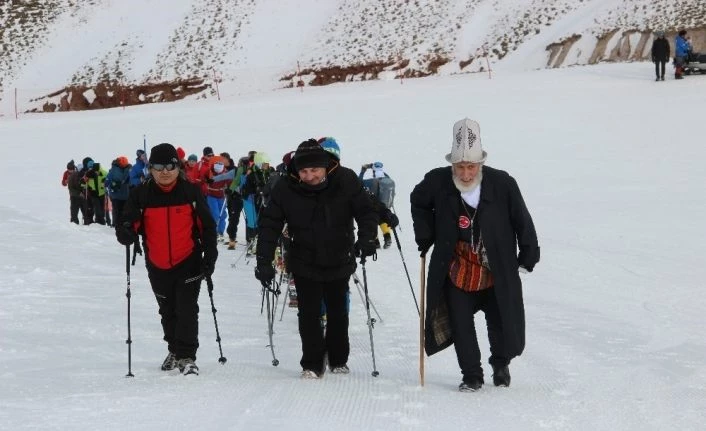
505,223
660,49
320,224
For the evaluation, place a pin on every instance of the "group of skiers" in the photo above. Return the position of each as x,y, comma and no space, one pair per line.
683,51
473,215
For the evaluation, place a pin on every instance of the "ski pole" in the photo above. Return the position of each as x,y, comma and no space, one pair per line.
371,321
422,281
399,247
267,287
357,282
209,282
127,294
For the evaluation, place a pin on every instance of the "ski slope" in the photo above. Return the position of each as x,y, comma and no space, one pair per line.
615,309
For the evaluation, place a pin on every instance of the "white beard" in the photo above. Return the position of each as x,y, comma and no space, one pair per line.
463,188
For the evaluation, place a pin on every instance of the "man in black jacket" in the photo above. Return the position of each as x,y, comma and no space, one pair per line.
319,202
476,219
660,54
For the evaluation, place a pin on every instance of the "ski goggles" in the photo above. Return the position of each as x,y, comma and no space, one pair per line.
159,167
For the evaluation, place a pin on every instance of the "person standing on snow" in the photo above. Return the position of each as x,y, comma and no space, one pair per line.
177,229
475,218
95,184
373,176
660,54
74,191
139,169
319,202
118,184
681,52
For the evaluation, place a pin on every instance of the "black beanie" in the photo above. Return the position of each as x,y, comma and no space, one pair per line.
309,154
207,151
71,165
164,154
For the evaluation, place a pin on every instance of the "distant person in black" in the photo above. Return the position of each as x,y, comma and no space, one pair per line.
660,54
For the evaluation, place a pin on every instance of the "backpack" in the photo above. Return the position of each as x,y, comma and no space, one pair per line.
383,189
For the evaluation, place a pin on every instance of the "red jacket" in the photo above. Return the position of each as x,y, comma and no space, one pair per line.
174,223
65,178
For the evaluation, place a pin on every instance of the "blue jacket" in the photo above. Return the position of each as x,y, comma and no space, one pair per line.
117,182
137,173
681,47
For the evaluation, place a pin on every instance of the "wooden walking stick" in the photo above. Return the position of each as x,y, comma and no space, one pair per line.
422,303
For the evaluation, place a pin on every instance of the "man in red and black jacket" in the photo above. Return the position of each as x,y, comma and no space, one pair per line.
179,240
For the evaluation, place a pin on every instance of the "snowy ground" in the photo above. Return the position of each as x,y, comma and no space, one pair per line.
611,167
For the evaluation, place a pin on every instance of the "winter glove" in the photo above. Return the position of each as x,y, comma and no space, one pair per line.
264,271
390,218
125,234
423,245
367,166
91,174
365,247
208,265
528,258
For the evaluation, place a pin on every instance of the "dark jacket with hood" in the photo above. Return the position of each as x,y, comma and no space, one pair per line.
505,224
320,224
660,49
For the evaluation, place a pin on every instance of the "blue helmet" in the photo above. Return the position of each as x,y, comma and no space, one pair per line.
331,146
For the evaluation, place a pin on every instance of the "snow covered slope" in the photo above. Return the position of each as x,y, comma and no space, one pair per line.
255,43
615,309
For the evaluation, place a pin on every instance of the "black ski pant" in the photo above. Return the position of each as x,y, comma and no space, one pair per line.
177,294
315,345
462,307
98,204
659,68
235,207
76,205
118,205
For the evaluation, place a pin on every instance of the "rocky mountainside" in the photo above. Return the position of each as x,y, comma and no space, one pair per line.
59,46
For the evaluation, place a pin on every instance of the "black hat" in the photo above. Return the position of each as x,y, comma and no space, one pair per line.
164,154
139,153
71,165
207,151
309,154
85,161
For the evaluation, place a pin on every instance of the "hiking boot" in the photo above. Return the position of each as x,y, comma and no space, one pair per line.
310,375
231,244
388,241
471,384
501,376
341,369
169,363
187,366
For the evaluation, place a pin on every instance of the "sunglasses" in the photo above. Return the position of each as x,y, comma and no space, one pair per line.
159,167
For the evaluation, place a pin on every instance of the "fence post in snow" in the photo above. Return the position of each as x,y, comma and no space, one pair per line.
216,80
300,83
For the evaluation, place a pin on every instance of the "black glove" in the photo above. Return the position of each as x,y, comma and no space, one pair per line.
528,258
367,166
91,174
209,180
264,271
125,234
365,247
208,265
391,219
423,245
228,192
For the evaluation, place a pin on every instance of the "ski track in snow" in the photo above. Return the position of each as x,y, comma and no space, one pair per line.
614,310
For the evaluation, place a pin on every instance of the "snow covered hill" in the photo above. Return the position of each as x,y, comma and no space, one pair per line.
614,310
265,44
